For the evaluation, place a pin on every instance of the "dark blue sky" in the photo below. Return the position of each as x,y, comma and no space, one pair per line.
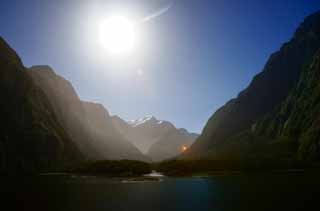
194,58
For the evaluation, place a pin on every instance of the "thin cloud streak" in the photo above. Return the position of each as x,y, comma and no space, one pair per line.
157,13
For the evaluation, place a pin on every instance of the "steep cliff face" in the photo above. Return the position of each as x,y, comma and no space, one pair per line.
31,137
295,123
266,91
286,136
67,106
107,139
88,124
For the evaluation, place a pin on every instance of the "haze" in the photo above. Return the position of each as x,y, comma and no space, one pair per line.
187,62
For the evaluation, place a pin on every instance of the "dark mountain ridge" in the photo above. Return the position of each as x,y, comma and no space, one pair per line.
267,90
67,106
31,137
294,125
88,124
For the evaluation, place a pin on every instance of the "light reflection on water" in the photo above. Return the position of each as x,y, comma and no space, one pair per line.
253,192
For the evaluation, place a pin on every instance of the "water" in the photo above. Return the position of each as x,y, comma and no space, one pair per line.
154,174
242,192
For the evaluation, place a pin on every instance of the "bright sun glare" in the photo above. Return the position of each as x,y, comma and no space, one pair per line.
117,34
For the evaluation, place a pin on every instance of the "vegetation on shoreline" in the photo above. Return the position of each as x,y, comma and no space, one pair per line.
182,168
210,167
114,168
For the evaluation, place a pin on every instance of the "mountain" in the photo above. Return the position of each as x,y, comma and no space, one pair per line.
67,106
171,144
143,132
157,139
294,125
106,137
31,137
286,136
224,132
80,119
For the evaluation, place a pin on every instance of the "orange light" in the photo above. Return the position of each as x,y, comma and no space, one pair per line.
184,148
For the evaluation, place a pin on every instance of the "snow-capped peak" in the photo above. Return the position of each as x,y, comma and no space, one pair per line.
143,120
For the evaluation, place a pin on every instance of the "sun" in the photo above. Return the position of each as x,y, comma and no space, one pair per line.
117,34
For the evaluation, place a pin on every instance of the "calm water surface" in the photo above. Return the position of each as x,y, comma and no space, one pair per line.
242,192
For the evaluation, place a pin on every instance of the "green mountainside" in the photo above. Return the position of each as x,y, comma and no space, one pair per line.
279,107
295,124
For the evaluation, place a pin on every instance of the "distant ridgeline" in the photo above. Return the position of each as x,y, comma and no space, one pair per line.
46,127
158,139
277,117
274,121
88,124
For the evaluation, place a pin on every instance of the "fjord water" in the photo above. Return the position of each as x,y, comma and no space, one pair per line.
241,192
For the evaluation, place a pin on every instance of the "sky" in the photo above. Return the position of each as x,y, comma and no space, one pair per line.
190,57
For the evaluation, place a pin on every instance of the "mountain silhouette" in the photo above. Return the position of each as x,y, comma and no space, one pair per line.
223,135
31,137
88,124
